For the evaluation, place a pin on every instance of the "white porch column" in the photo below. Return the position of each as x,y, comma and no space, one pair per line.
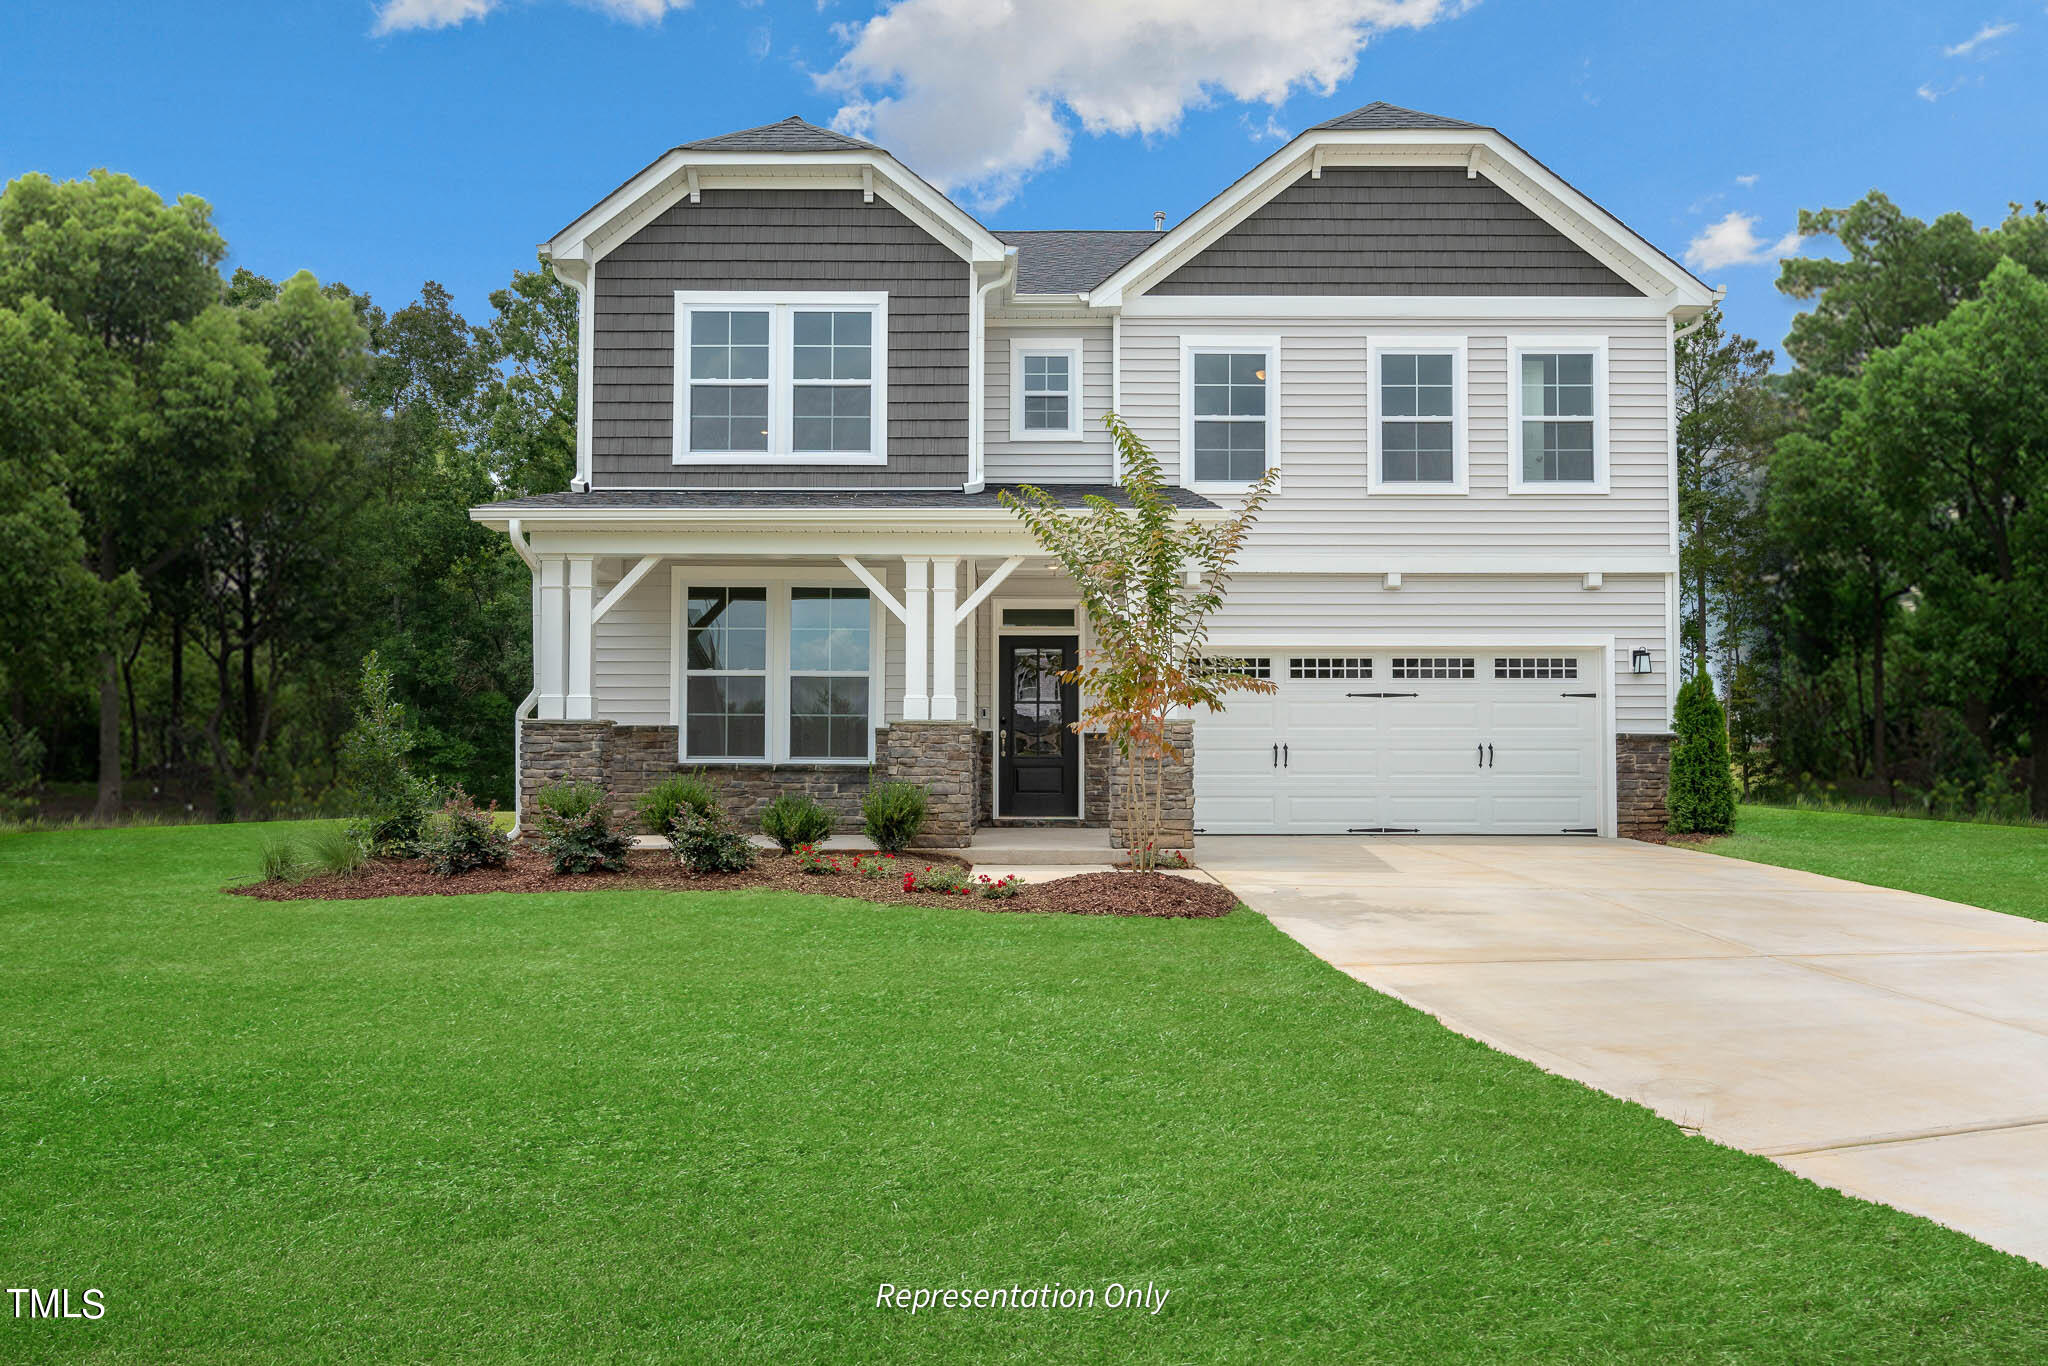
578,704
945,637
917,629
549,638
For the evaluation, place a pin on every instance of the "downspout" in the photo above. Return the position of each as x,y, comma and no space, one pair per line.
977,369
520,712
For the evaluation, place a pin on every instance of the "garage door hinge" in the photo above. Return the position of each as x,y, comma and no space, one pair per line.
1578,694
1383,830
1382,694
1579,830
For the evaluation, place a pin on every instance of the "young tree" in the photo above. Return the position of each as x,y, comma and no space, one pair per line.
1149,580
1727,418
1702,791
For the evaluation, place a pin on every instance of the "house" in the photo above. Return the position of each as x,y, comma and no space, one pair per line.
805,375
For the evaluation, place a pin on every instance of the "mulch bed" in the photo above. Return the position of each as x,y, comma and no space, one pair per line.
1130,894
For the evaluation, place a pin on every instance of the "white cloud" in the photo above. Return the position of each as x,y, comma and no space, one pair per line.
1990,33
1732,241
1931,92
397,16
979,96
1747,182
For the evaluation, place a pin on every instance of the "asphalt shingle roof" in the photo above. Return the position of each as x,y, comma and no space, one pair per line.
631,500
1380,114
1070,260
791,135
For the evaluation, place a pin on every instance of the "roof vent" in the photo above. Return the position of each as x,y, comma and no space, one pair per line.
1159,220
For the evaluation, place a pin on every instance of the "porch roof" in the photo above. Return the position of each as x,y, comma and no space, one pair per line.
841,504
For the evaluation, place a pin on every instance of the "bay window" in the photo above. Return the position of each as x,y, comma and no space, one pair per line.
1558,430
801,378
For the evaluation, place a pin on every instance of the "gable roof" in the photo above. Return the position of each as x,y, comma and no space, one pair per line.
791,135
1380,114
1071,260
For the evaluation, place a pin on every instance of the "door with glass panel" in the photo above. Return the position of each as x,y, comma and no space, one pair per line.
1038,754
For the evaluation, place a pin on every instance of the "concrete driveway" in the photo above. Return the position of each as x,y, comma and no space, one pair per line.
1888,1044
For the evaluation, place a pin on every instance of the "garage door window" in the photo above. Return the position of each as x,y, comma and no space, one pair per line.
1323,666
1536,668
1420,667
1255,667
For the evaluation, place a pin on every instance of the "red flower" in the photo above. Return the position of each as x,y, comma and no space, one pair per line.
910,882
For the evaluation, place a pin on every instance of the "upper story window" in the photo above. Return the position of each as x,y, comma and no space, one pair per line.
1558,429
796,377
1228,396
1045,389
1416,438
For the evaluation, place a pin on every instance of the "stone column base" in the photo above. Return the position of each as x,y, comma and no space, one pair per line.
939,755
1177,805
1642,770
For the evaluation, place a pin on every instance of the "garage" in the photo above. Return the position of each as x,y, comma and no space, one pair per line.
1407,742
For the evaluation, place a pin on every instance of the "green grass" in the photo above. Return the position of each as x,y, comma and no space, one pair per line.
2001,867
596,1127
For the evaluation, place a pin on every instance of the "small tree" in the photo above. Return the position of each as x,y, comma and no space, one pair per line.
1150,579
383,790
1702,798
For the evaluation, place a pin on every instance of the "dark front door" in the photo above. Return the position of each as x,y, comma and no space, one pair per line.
1041,755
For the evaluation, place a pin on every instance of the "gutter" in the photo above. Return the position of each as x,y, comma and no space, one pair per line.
1720,293
520,712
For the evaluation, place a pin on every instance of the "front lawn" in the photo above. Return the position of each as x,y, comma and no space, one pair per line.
2001,867
659,1126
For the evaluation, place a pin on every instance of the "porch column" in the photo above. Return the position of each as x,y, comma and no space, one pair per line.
549,642
578,704
917,701
945,637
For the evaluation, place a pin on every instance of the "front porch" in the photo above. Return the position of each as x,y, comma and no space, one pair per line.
796,669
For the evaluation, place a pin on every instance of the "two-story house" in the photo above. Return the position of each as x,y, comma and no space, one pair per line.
805,375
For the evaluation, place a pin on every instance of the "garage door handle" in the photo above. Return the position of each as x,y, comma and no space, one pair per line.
1489,756
1482,754
1285,761
1276,756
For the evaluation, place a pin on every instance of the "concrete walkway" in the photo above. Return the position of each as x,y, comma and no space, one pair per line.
1885,1043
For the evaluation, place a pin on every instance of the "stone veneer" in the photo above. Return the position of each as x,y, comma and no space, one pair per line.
1177,813
1642,770
628,760
1094,787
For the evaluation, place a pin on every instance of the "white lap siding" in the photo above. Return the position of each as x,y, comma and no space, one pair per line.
630,680
1323,506
1309,611
1086,461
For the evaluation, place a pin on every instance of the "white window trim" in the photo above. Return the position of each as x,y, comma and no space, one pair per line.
1454,347
1070,347
1192,346
781,374
778,581
1597,348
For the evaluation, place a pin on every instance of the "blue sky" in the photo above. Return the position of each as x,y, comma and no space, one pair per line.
386,142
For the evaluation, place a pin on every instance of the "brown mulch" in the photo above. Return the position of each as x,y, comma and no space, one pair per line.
527,870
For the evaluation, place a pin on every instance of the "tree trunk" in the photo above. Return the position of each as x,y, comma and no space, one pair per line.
248,664
177,738
2037,728
108,807
1879,764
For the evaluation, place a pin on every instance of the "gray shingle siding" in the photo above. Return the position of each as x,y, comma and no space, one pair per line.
1394,230
780,240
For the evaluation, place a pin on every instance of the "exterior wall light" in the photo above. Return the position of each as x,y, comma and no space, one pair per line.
1639,662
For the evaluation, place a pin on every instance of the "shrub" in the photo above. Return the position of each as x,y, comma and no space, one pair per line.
668,799
336,851
391,799
21,761
281,862
706,842
944,879
999,888
892,813
794,819
576,828
463,838
1702,791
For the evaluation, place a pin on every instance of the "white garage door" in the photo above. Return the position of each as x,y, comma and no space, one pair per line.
1406,741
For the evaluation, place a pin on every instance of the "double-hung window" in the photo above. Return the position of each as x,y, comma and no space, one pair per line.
1558,432
1045,389
777,671
796,378
1229,392
1416,437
